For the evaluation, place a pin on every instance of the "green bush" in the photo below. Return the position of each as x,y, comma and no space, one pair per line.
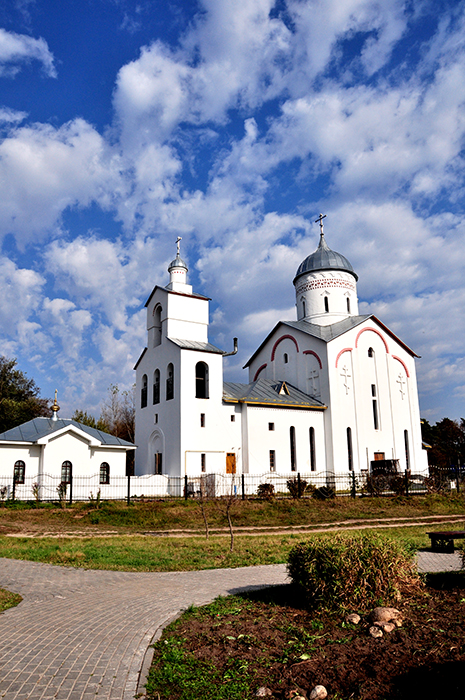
323,493
352,572
266,491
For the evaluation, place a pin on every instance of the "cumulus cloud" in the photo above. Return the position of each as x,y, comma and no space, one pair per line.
17,49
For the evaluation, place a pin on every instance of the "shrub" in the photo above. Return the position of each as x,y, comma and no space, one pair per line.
352,572
297,488
323,493
266,491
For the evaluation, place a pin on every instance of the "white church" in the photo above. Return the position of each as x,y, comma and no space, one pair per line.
332,391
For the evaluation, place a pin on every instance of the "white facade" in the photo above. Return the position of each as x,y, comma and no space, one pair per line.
333,391
48,451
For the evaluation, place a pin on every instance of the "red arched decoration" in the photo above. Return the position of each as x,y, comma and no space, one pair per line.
373,330
283,337
394,357
341,353
258,371
310,352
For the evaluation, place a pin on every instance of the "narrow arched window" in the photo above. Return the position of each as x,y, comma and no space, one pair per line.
143,392
170,382
350,456
286,358
407,450
156,386
312,450
104,473
66,472
19,472
326,304
348,305
371,352
292,441
304,310
157,326
201,380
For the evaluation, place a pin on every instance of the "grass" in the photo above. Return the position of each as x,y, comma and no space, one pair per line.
8,600
145,553
176,514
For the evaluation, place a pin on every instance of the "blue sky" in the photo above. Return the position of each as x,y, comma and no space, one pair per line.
124,124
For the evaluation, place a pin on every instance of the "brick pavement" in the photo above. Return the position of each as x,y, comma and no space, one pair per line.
81,634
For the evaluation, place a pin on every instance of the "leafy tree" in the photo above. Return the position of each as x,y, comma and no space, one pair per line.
19,396
447,440
88,419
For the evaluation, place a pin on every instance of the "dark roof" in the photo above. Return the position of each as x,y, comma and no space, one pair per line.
328,333
38,428
196,345
269,393
170,291
324,259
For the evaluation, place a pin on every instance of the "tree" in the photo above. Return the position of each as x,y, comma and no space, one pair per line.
88,419
119,412
19,396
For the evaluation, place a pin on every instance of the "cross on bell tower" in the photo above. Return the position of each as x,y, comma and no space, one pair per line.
320,221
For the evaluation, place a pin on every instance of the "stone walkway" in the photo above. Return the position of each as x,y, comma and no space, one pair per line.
81,634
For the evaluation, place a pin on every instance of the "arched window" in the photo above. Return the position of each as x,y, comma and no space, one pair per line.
104,473
303,308
312,450
157,326
201,380
286,358
19,472
407,450
348,305
375,407
350,456
326,304
66,472
158,463
156,386
143,392
170,382
292,440
371,352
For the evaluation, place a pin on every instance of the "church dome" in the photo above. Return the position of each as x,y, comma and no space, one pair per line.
178,262
324,259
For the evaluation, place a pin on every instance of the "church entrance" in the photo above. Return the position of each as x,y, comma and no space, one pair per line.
230,463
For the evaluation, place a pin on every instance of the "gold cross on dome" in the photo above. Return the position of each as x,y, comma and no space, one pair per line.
178,240
320,220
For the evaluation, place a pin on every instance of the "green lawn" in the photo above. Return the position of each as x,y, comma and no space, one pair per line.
145,553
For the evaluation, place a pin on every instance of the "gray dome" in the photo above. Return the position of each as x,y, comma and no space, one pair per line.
177,262
324,259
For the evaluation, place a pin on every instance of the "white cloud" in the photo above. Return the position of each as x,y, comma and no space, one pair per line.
45,170
16,49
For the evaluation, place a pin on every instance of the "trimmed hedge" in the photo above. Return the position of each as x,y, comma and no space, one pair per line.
352,571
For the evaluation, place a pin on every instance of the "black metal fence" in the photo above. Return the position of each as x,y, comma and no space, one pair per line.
269,485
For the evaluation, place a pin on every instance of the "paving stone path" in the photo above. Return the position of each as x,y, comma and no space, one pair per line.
80,634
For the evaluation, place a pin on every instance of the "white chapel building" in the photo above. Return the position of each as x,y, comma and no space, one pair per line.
333,391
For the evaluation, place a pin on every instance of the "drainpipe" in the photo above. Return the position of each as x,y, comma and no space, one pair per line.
228,354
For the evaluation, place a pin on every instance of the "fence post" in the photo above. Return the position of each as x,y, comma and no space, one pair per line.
243,486
354,486
299,492
457,480
406,482
128,495
71,488
185,487
14,486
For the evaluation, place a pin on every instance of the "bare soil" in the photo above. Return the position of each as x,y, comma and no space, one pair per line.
286,648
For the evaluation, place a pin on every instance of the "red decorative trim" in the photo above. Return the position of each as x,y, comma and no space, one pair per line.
342,352
394,357
373,330
310,352
258,371
283,337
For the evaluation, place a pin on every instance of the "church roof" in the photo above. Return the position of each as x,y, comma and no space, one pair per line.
269,393
324,259
38,428
196,345
334,330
